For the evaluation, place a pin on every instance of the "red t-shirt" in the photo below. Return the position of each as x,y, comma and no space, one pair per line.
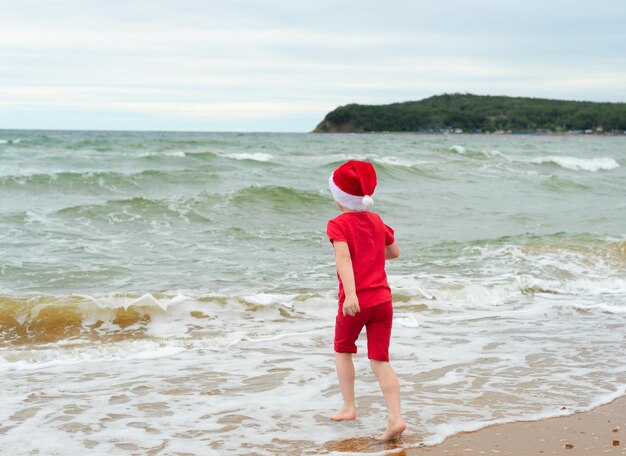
366,236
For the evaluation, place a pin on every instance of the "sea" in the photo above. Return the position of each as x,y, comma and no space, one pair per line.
174,293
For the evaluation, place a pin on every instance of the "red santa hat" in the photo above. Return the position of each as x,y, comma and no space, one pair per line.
353,184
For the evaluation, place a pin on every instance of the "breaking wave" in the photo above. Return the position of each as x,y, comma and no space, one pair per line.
579,164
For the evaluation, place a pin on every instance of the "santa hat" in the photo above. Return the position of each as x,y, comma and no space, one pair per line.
352,185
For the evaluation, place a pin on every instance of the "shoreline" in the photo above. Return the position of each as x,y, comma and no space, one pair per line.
600,430
589,432
472,133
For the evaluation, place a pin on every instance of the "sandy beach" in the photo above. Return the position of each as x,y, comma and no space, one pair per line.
596,432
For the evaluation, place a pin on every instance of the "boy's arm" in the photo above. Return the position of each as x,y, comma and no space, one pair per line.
346,274
392,251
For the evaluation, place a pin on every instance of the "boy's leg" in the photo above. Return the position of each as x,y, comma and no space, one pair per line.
390,386
345,374
347,331
378,337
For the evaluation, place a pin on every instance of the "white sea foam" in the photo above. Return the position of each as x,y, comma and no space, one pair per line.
579,164
442,431
121,300
282,336
458,149
450,294
114,301
608,308
52,357
479,153
407,320
262,370
496,153
71,352
580,286
270,299
174,153
10,141
255,156
394,161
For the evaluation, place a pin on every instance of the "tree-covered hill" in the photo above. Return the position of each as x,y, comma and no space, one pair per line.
477,113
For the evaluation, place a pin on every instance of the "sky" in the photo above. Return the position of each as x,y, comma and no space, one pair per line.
278,65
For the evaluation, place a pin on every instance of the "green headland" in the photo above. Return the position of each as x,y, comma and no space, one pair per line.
467,113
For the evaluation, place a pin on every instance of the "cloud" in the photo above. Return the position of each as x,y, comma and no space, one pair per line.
240,61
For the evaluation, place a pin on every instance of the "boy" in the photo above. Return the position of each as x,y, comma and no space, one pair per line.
362,242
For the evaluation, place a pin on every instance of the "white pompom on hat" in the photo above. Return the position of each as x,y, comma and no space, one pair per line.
353,184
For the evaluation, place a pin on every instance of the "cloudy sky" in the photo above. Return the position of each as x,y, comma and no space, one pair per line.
281,65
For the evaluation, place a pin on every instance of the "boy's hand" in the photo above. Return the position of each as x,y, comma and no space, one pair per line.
351,305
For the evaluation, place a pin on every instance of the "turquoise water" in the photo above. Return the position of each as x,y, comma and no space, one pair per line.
206,252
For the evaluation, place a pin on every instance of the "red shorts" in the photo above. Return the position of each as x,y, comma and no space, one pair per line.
377,321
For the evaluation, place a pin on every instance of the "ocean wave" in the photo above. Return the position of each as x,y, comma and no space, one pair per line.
580,286
576,253
10,141
102,180
461,150
196,208
279,198
502,271
140,209
253,156
99,144
393,167
65,179
607,308
452,296
63,354
26,360
37,319
76,328
201,155
177,320
382,161
408,290
579,164
164,154
572,163
271,299
458,149
559,184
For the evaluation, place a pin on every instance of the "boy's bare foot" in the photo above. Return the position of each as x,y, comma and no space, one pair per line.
344,413
394,430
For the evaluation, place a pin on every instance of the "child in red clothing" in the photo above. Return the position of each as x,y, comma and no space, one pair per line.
362,242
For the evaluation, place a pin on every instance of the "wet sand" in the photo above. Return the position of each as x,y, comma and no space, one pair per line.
596,432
